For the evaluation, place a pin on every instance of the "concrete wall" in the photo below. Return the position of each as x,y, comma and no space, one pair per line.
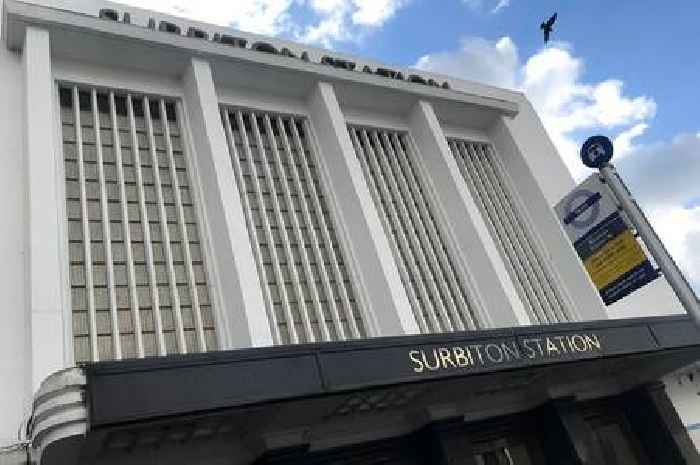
15,390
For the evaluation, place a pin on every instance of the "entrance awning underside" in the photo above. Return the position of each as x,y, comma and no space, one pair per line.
235,406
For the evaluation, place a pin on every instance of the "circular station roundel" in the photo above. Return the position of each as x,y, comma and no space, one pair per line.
596,151
589,216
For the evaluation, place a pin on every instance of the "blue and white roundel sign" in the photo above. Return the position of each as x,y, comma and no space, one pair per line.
596,151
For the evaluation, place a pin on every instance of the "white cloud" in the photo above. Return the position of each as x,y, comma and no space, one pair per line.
314,21
477,60
679,229
479,5
375,12
260,16
501,5
552,79
347,20
623,143
663,177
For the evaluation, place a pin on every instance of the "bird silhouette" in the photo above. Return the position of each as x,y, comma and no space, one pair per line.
548,26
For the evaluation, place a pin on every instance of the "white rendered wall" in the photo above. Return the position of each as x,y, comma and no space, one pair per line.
15,359
388,309
478,259
45,269
242,319
539,176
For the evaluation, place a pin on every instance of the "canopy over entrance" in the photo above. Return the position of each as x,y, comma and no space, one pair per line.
249,405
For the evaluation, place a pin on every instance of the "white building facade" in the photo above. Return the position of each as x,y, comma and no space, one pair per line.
172,188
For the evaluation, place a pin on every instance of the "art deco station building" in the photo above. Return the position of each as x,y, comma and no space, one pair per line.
219,248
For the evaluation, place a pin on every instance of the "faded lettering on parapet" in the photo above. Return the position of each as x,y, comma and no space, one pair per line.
499,352
265,47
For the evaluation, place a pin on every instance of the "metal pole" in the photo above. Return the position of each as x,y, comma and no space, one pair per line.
668,266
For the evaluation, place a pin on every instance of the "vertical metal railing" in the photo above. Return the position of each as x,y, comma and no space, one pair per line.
285,174
330,241
462,307
135,277
247,209
488,182
126,231
399,243
87,237
304,285
143,215
106,230
184,234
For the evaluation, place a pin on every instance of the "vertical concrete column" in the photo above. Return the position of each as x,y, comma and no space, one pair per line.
15,400
242,317
541,180
377,275
448,443
654,420
566,437
45,293
477,257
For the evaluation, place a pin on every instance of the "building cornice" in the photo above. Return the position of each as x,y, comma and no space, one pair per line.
18,15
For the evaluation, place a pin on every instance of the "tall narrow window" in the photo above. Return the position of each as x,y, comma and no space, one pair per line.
438,297
306,284
137,275
490,187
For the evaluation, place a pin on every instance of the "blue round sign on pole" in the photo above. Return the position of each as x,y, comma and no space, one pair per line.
596,151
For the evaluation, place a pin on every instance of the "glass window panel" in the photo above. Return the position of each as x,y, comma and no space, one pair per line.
269,186
98,215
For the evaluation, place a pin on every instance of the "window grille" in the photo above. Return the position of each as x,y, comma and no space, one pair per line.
137,275
307,288
490,187
438,298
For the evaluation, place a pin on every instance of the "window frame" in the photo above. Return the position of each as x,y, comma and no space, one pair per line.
101,83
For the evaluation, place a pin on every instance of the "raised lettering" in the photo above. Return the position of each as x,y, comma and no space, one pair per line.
413,355
592,341
445,357
551,347
490,348
511,350
478,352
538,341
530,351
471,357
460,357
561,343
579,343
435,358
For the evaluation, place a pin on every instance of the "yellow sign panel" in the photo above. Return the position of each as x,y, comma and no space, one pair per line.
614,259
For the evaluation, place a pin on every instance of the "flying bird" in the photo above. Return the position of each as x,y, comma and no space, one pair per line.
548,26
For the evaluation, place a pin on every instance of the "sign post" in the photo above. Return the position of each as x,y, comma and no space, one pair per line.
597,152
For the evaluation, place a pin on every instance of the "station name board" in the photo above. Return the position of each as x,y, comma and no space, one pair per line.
465,356
266,47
